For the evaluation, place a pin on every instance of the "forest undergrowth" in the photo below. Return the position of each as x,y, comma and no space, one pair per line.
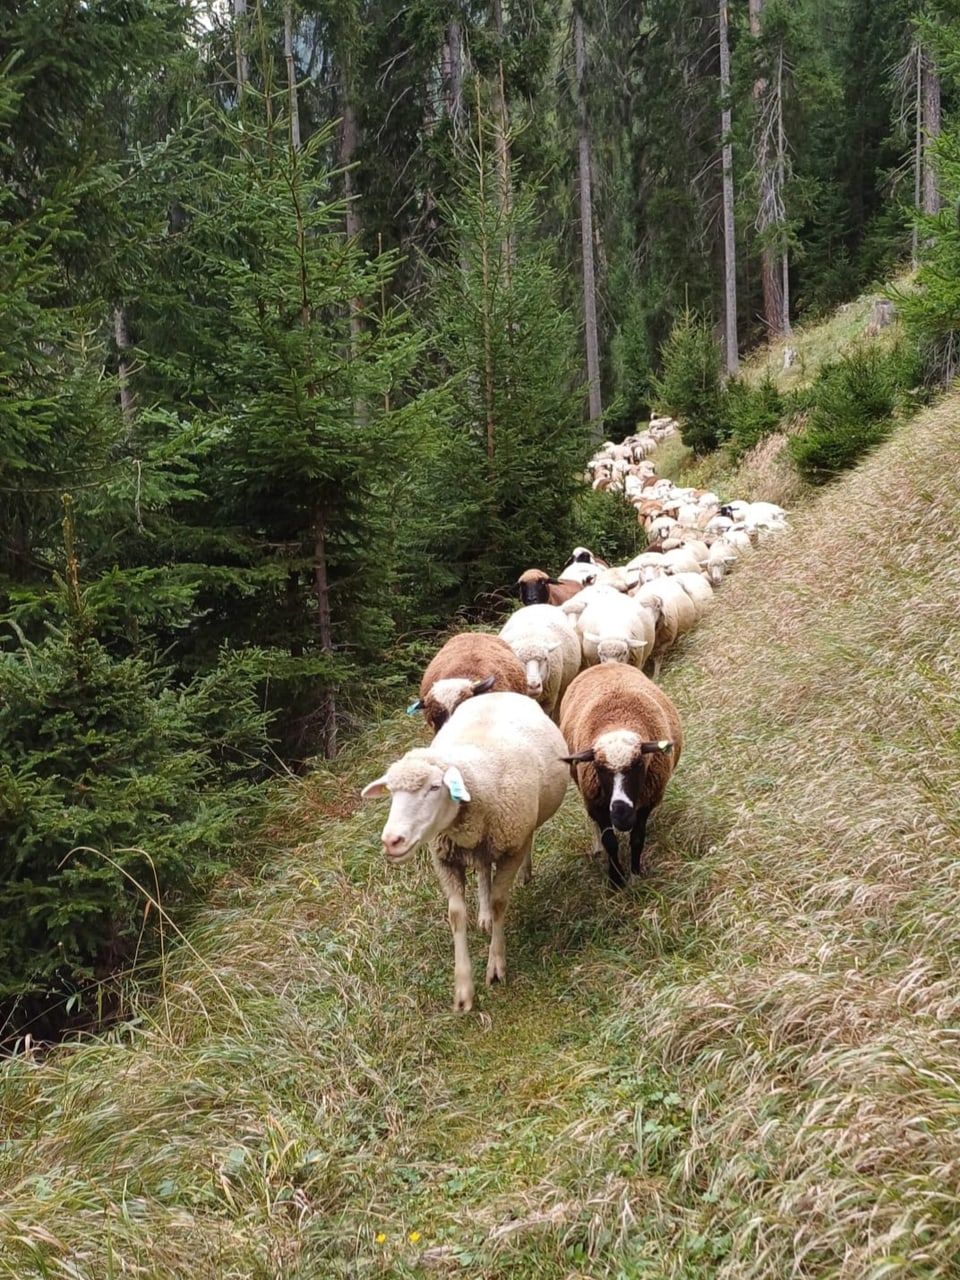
744,1066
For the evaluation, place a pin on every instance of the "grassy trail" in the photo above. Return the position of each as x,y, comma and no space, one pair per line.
745,1066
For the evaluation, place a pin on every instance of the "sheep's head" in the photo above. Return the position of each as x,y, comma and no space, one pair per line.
619,760
533,585
446,695
625,649
535,658
426,795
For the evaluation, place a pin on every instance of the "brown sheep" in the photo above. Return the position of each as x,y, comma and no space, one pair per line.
624,737
537,587
470,663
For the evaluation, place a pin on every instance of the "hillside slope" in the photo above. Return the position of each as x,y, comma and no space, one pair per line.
744,1067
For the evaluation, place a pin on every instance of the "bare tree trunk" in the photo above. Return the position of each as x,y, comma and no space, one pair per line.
732,353
453,74
917,155
486,318
239,28
291,74
785,326
349,137
931,131
322,582
501,134
128,403
766,108
586,229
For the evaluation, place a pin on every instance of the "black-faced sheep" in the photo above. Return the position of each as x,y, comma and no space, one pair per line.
492,775
624,738
537,587
468,664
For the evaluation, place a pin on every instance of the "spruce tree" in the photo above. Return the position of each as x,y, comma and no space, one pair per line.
519,444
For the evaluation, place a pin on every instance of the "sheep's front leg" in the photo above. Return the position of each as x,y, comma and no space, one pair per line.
506,873
453,881
526,871
637,837
484,918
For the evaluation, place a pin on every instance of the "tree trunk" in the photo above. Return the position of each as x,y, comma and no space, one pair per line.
128,403
453,75
586,229
349,137
729,233
322,582
931,131
501,134
486,319
240,35
291,74
785,326
917,154
767,109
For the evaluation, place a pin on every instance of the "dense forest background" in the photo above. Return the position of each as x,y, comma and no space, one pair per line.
312,314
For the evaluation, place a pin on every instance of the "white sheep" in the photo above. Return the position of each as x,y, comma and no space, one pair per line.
575,606
675,612
699,589
544,639
476,795
579,571
720,560
617,629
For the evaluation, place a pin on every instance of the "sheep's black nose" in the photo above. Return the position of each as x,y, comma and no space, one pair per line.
622,816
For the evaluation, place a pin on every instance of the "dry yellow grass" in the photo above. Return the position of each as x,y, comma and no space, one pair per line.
744,1068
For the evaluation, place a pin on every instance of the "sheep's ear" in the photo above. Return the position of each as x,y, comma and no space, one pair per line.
377,788
453,781
593,637
414,707
637,644
551,647
648,748
582,757
553,582
485,685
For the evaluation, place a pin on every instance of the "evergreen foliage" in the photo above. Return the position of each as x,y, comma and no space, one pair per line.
930,310
854,401
519,442
751,412
304,417
115,789
691,387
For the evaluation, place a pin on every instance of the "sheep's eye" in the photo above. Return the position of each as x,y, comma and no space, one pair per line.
434,786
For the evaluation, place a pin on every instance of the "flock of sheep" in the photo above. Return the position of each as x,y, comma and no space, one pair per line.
569,689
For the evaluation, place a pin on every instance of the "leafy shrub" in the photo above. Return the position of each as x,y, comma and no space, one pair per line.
691,387
607,524
752,412
110,779
852,407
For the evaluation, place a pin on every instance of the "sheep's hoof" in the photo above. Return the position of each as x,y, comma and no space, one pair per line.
485,921
496,971
463,1000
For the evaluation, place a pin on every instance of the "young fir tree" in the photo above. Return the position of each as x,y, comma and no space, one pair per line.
115,791
296,380
520,442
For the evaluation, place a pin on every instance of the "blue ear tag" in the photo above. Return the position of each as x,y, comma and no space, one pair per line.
414,707
455,785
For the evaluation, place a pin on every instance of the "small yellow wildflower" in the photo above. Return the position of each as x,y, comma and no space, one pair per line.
414,1237
380,1237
